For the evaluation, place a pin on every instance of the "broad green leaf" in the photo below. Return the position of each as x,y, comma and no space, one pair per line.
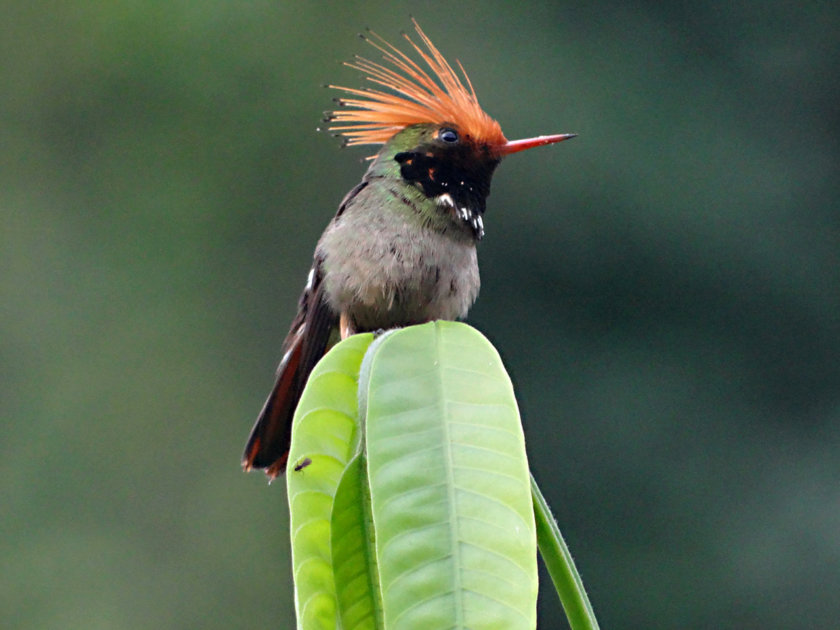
325,433
353,554
449,483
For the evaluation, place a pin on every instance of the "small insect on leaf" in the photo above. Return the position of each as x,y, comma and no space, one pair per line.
302,464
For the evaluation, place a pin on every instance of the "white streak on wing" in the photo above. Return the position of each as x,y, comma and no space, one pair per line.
285,358
310,279
298,333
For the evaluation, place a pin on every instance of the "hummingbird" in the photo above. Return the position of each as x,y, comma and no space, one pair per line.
401,249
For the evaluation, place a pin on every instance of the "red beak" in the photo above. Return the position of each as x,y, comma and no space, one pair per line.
529,143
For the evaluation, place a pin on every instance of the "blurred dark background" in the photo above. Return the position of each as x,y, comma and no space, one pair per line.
664,290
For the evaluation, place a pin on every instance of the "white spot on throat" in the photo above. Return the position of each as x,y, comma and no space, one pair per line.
466,215
445,200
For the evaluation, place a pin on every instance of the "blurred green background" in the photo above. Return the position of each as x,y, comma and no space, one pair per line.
664,290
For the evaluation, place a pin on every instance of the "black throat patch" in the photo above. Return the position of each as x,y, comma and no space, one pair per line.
457,180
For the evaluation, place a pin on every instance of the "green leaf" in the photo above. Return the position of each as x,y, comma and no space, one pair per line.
449,483
353,554
325,433
561,567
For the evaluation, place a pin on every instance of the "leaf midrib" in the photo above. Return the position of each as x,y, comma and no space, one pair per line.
455,548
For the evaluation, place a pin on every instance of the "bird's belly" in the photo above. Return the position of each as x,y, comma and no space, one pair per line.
398,280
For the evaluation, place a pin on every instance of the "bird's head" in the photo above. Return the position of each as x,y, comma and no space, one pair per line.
434,132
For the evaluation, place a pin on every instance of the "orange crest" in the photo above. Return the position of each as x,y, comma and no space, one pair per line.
372,116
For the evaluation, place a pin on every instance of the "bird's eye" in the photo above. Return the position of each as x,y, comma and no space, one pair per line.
448,135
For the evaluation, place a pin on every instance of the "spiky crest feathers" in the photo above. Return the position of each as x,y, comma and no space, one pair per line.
373,116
